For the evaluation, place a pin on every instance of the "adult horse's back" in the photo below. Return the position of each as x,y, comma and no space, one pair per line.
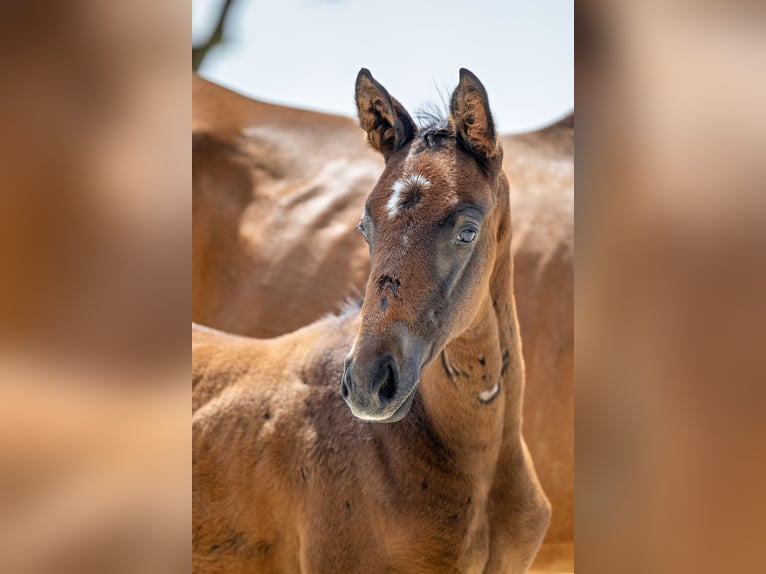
430,473
540,170
267,178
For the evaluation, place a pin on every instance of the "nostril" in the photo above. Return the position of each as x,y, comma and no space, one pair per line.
388,388
344,390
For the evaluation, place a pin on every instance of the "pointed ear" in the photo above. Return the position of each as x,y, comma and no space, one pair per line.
387,123
474,126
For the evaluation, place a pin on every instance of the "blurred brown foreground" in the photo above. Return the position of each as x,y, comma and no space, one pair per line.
94,287
671,287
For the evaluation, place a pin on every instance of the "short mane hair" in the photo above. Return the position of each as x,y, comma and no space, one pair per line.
434,124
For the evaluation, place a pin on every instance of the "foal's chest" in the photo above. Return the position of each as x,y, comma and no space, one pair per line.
435,534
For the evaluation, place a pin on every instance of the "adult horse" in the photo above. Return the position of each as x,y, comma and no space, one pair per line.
286,479
540,170
274,192
277,192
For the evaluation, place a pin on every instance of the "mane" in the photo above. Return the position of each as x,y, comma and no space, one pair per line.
351,306
434,123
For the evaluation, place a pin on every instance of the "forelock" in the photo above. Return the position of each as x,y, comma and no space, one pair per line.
435,125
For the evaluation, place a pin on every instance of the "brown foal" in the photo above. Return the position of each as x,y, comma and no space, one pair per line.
289,479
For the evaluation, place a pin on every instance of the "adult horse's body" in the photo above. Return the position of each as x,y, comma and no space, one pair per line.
274,192
287,480
540,170
277,192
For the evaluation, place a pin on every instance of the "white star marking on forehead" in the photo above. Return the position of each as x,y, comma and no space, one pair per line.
415,180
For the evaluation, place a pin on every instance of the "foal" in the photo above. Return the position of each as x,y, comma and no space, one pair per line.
289,479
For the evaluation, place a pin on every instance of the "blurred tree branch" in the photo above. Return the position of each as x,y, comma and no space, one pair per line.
200,51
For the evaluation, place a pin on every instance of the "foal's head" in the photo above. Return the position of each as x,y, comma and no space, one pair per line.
435,222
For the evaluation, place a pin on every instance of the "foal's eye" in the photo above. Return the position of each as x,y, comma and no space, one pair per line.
362,230
466,235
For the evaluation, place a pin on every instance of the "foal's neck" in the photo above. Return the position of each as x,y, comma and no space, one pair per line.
472,391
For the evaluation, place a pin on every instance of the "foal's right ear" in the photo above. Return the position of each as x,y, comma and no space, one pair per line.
387,123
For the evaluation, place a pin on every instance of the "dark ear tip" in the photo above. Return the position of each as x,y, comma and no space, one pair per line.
467,76
364,74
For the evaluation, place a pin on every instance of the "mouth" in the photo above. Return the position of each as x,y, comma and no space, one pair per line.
388,416
402,410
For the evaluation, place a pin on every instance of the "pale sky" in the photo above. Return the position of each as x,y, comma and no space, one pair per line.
306,53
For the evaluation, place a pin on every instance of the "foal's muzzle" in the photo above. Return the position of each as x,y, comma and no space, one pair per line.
374,391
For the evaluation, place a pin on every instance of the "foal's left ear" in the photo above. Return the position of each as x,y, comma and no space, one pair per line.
387,123
474,127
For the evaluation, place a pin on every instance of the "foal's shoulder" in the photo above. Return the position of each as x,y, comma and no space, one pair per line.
219,360
312,356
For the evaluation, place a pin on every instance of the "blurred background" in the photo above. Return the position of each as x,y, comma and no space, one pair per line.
306,53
